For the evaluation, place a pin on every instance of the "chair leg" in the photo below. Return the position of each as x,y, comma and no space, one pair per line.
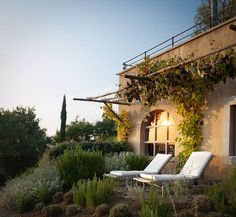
144,187
126,182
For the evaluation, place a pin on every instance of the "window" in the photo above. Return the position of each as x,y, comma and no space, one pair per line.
232,137
160,133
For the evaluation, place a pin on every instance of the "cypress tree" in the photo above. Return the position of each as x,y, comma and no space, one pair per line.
63,120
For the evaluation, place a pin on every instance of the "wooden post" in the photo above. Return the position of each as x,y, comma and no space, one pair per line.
110,109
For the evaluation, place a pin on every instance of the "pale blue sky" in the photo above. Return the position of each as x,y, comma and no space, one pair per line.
49,48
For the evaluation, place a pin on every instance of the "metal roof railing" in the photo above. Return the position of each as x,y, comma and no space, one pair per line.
176,39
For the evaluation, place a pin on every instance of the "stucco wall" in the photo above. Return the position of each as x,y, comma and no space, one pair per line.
214,121
215,131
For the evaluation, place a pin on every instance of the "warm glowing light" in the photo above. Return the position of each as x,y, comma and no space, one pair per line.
166,123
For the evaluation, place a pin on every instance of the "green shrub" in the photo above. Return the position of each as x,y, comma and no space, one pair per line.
79,193
137,162
234,180
152,207
44,195
150,204
116,161
165,208
57,150
223,195
24,202
231,208
98,191
93,192
218,195
104,146
46,174
78,164
232,199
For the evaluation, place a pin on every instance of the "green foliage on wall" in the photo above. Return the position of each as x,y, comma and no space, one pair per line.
187,84
122,123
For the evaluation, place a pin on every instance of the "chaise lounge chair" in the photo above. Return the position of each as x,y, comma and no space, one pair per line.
191,172
154,167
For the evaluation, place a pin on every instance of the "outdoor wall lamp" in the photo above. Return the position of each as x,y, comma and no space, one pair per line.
232,27
166,123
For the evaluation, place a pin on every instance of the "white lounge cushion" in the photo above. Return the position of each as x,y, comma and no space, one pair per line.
158,162
193,168
155,166
196,163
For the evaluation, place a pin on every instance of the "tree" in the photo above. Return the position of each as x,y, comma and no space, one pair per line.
63,120
105,129
22,141
226,10
80,130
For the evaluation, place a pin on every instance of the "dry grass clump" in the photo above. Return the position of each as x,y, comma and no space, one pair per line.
120,210
203,203
53,210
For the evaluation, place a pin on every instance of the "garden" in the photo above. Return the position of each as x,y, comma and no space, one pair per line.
69,181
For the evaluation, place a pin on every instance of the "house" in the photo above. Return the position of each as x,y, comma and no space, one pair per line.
155,131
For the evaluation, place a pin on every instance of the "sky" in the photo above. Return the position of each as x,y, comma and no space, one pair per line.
49,48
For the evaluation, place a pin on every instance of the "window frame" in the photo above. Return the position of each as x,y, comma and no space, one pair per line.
155,143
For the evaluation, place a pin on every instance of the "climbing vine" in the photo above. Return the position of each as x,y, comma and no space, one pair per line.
122,122
186,84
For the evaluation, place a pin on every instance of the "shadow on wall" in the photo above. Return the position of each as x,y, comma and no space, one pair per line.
134,130
211,119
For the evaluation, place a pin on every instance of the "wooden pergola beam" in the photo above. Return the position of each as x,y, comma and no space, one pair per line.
102,101
107,94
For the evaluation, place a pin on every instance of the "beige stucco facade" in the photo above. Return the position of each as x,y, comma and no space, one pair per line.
216,120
